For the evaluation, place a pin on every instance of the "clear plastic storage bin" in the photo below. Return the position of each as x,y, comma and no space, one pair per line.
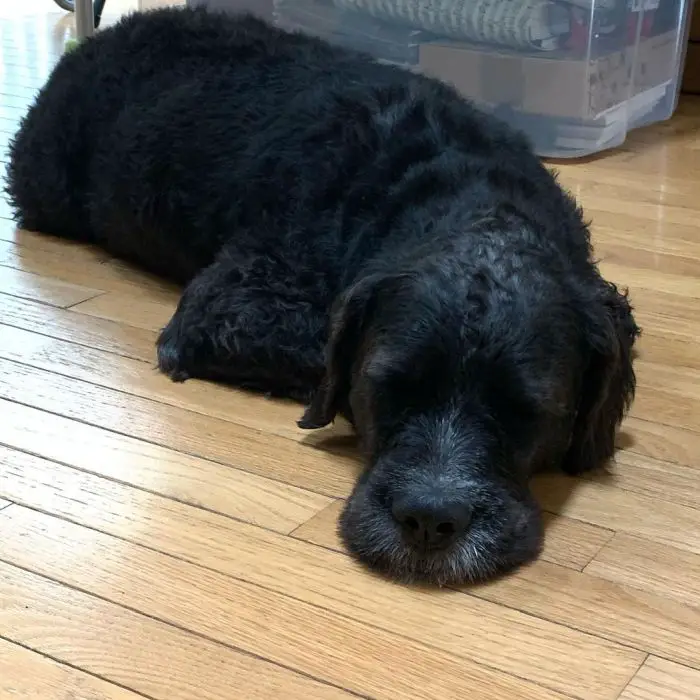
575,75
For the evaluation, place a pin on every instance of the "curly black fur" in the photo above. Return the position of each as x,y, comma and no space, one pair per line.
352,235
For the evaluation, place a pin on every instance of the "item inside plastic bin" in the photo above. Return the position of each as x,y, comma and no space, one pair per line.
381,26
575,83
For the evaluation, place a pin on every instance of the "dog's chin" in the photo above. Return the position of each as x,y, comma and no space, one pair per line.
497,543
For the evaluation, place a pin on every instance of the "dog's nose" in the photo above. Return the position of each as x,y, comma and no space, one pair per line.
431,525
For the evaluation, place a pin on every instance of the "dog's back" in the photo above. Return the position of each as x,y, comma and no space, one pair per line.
159,136
178,130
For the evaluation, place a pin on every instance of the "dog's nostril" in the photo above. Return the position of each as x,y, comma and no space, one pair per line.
446,528
431,524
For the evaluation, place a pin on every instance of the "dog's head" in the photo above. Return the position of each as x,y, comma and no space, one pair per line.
461,382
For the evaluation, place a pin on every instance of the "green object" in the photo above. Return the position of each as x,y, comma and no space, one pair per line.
71,44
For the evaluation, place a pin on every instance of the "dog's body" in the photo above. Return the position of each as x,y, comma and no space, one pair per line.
354,235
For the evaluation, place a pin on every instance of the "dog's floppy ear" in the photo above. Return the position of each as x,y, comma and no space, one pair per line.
348,323
608,382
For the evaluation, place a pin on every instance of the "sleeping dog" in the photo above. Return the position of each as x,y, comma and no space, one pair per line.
356,237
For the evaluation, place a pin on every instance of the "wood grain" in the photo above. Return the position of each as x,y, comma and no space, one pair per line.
625,511
139,378
109,641
34,254
659,679
332,581
669,315
663,442
60,323
643,259
25,675
102,368
157,469
5,210
206,437
585,602
653,477
44,289
668,395
125,308
263,623
620,613
231,492
661,349
8,230
649,566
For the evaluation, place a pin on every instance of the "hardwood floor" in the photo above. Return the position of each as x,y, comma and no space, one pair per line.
177,542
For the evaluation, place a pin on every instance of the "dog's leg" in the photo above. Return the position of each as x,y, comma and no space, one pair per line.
250,325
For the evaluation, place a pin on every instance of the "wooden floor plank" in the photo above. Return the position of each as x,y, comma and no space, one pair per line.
650,621
653,237
202,436
136,651
621,613
659,679
253,499
664,401
643,259
680,381
649,566
608,202
596,187
25,73
16,87
25,674
658,520
124,308
216,487
139,378
16,101
663,442
5,209
558,657
66,325
304,637
669,315
83,264
4,503
79,264
668,395
9,123
8,229
661,349
673,397
597,179
652,477
11,113
46,290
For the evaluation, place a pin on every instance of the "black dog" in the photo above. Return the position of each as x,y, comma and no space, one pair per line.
355,236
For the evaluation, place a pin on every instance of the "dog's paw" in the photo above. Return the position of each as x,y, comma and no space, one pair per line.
172,353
